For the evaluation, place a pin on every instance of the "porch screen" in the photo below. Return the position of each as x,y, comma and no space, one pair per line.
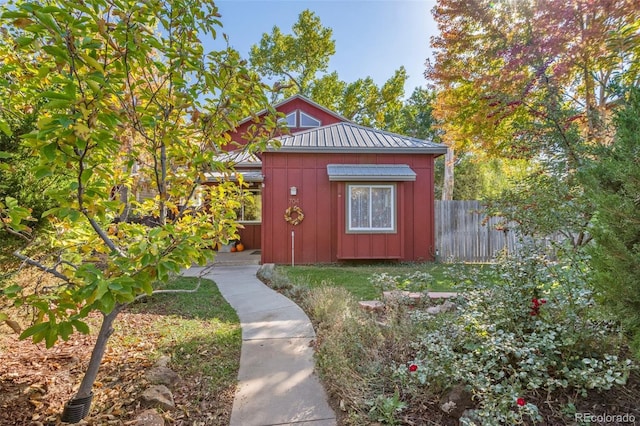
371,208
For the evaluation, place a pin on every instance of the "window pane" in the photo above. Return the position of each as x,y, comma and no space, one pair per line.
359,207
252,206
290,119
308,121
251,209
381,208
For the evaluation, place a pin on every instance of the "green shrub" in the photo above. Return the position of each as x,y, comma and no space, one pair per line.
530,325
613,183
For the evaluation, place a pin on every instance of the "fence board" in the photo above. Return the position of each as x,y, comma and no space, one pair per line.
464,234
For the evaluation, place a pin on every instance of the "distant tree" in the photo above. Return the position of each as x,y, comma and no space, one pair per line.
128,95
613,183
295,59
299,62
531,80
416,116
362,101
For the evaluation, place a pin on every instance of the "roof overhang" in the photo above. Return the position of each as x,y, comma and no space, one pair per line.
370,172
233,177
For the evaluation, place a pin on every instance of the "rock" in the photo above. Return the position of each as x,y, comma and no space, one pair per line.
396,295
438,309
162,375
441,294
265,272
158,396
163,361
149,418
456,401
372,305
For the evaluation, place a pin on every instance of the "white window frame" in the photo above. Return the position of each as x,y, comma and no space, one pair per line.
371,229
304,114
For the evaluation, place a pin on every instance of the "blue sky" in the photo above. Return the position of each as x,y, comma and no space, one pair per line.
373,37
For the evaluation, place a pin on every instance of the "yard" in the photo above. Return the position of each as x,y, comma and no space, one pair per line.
518,349
357,278
198,331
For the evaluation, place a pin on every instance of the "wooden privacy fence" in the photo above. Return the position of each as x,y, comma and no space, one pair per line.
464,234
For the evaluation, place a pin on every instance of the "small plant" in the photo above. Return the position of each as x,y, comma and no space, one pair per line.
386,408
414,282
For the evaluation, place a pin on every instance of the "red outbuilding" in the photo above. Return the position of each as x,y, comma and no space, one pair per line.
336,191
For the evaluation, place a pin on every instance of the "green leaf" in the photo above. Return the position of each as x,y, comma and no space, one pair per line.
57,95
86,175
49,151
82,327
57,104
57,52
51,336
108,302
4,155
43,171
3,316
66,329
47,20
33,330
12,290
50,212
5,128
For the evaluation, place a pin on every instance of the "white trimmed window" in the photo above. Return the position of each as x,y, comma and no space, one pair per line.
251,209
289,120
308,121
371,208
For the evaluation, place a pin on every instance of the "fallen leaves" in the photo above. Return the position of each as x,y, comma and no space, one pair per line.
35,383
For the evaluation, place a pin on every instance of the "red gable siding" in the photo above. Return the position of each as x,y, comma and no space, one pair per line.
293,104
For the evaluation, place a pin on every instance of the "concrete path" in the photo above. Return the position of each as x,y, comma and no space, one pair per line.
276,381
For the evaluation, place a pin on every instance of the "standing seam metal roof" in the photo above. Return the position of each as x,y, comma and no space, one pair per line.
349,137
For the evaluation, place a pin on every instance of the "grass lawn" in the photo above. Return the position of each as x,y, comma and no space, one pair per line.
200,330
355,278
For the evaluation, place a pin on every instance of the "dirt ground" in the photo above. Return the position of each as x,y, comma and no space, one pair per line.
36,382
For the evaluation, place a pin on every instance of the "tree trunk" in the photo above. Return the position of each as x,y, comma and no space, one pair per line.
97,354
447,186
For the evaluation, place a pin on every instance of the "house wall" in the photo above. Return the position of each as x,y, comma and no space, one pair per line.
294,104
321,237
251,235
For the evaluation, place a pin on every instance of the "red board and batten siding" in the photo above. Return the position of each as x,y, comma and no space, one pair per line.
322,236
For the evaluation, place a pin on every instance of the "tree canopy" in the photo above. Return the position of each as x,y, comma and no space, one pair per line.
295,59
299,62
126,98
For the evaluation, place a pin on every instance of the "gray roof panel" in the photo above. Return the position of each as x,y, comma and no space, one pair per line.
353,138
370,172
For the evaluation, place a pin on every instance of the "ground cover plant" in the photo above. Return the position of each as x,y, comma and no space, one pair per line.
528,343
199,331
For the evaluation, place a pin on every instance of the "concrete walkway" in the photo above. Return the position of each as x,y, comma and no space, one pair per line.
276,381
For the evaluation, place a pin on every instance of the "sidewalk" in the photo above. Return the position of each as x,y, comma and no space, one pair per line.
276,381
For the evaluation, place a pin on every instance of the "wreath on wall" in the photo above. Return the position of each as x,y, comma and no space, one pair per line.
294,215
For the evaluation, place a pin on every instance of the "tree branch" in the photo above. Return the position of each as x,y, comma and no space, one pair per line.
40,266
176,291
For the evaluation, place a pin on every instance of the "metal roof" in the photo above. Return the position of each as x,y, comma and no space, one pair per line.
247,176
353,138
370,172
240,158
